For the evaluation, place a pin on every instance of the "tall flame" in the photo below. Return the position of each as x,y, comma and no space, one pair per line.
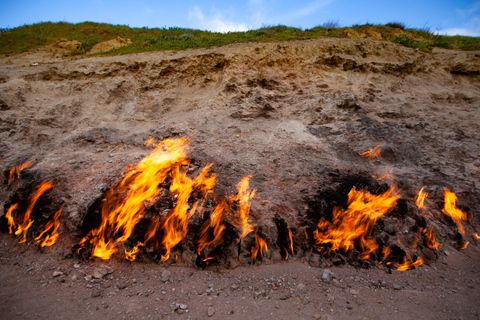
372,153
452,210
421,198
215,223
241,219
355,222
125,203
10,218
176,222
259,247
16,170
23,227
53,236
291,240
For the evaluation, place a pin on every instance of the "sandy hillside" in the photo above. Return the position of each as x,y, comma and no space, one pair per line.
295,116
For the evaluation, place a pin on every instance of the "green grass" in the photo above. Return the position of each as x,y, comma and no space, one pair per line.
29,37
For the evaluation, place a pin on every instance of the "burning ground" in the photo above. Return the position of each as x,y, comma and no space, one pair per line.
236,159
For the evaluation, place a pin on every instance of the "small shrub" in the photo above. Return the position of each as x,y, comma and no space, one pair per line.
186,36
405,41
396,25
442,42
260,33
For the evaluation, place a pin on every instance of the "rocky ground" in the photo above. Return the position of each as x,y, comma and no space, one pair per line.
295,115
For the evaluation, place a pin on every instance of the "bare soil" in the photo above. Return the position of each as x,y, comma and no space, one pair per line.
295,115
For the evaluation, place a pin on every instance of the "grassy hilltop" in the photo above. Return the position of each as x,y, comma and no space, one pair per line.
29,37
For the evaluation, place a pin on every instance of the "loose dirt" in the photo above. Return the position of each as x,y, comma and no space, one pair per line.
295,115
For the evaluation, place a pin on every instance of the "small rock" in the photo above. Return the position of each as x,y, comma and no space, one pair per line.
353,291
210,311
300,286
57,273
76,265
101,272
183,306
96,293
166,275
322,317
326,275
397,286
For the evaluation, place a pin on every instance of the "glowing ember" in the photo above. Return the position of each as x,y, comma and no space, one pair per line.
476,236
407,265
53,236
430,239
372,153
421,198
259,247
452,210
16,170
27,223
355,222
241,219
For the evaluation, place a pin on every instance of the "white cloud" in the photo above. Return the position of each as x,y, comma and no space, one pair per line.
461,31
215,22
309,9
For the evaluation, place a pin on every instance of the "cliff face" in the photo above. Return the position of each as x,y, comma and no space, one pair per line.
289,113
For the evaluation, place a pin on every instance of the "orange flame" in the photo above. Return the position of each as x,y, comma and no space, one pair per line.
10,218
421,198
373,153
176,222
150,142
132,254
476,236
259,247
355,222
27,223
465,245
386,252
53,236
241,220
407,265
215,223
125,203
368,246
452,210
430,239
291,240
17,170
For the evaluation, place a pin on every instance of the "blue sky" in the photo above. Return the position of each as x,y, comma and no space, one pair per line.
448,17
